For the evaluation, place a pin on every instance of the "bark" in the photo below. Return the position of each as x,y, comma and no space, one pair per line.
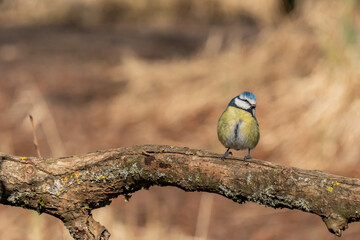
70,187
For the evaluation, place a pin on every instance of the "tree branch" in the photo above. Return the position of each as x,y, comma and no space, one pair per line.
70,187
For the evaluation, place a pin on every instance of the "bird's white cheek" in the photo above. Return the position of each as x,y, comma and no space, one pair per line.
253,111
242,104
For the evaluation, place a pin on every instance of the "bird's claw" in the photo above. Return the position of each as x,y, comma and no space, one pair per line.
247,157
227,153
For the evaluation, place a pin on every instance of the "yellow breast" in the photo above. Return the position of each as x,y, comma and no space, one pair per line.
238,129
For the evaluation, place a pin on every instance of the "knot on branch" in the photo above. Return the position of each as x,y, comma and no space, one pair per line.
82,225
336,224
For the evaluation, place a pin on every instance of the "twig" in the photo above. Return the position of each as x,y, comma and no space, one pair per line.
36,144
204,216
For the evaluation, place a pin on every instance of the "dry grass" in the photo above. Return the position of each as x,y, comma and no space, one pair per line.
304,70
159,12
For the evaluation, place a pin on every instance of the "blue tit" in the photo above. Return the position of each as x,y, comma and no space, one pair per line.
237,127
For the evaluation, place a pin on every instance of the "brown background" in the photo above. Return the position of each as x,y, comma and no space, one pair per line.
106,74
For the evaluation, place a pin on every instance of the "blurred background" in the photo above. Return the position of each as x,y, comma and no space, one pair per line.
106,74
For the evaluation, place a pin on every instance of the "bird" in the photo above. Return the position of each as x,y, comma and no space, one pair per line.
238,127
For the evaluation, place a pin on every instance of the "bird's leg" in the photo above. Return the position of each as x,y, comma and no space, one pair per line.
248,156
227,153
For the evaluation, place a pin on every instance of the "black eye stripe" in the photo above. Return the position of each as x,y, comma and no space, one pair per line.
245,100
248,107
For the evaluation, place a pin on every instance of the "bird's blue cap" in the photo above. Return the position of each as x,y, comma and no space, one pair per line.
249,96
